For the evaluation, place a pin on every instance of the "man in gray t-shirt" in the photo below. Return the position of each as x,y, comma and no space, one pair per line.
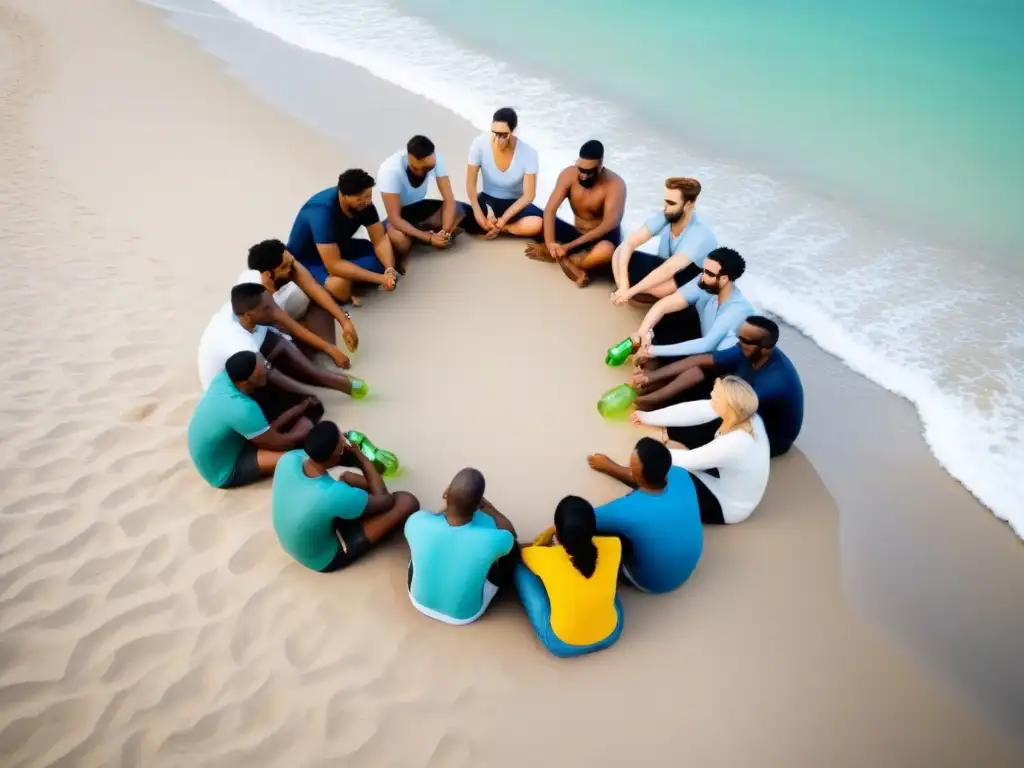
684,241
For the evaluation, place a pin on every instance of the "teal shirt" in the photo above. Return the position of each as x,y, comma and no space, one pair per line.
224,420
305,508
450,563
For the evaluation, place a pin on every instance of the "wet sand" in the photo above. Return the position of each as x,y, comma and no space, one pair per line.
865,615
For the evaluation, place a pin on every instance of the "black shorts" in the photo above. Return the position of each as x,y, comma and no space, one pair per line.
353,544
642,264
566,233
273,402
247,468
707,502
418,212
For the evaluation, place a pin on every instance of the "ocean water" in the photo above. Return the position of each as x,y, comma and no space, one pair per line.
867,158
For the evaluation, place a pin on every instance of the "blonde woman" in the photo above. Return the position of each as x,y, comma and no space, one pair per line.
739,451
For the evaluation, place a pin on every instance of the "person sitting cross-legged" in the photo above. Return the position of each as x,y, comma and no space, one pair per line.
327,524
230,439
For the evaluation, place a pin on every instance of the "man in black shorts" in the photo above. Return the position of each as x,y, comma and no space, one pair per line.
327,524
240,429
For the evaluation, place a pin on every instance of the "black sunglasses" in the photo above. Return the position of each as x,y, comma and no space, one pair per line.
587,171
501,134
709,273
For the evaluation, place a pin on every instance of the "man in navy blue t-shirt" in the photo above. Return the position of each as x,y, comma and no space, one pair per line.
756,360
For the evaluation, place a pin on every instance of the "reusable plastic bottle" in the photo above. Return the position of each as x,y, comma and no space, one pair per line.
615,402
359,389
618,354
387,462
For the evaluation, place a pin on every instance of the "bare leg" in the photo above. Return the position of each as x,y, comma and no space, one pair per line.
379,526
601,463
319,322
287,357
339,288
538,252
663,395
267,461
401,244
528,226
578,265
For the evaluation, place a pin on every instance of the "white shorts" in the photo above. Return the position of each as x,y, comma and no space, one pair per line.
292,300
489,592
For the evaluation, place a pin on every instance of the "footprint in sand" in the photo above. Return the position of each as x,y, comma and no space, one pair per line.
139,412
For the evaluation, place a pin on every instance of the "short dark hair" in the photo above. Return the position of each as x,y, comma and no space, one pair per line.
769,328
733,265
240,366
322,441
655,458
508,116
353,181
266,256
420,147
246,296
467,491
592,150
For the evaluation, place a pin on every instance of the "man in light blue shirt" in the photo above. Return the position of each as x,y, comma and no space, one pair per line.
461,556
411,216
720,304
685,241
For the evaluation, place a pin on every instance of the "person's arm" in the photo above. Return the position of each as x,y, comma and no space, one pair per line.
330,253
380,499
288,430
558,195
444,187
285,322
611,217
393,208
529,193
664,271
472,178
720,452
319,296
672,303
288,418
726,322
381,245
499,519
679,368
680,415
623,254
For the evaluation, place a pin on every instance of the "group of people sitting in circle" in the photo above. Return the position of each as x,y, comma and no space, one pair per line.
708,375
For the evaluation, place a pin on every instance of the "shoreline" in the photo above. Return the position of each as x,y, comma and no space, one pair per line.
154,621
949,420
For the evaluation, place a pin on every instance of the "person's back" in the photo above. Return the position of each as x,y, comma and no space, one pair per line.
663,530
305,509
450,564
313,224
223,422
781,396
583,608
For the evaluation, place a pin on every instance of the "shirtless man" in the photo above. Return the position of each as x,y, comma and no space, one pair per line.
598,198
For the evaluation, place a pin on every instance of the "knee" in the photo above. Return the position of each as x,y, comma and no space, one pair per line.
339,288
399,241
406,501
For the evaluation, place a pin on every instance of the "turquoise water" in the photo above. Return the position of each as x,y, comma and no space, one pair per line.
913,106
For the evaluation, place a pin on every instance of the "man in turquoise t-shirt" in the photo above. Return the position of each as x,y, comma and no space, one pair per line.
326,524
461,556
229,439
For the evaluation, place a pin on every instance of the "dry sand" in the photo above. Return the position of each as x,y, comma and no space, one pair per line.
148,620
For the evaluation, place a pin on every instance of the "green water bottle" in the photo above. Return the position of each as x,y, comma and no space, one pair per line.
359,389
618,354
615,402
386,462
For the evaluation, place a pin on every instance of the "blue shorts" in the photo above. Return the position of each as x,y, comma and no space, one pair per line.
356,251
500,205
538,610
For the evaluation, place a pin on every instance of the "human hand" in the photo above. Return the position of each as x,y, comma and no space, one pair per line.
557,251
484,221
349,336
340,358
635,419
388,281
311,402
440,240
497,227
638,379
620,296
598,461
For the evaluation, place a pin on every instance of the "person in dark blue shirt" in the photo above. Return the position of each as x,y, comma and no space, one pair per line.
755,359
323,238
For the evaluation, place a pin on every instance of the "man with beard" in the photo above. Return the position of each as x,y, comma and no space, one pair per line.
411,217
721,308
322,238
685,241
757,360
598,199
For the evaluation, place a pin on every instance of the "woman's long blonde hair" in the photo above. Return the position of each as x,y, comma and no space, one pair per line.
740,398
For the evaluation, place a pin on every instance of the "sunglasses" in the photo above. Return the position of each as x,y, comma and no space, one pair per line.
749,342
501,134
586,171
709,273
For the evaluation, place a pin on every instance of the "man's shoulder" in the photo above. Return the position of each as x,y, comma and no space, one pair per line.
391,164
323,199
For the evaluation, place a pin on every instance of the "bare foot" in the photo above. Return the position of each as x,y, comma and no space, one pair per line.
574,273
357,301
538,252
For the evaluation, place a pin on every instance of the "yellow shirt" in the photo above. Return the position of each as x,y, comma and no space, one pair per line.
582,610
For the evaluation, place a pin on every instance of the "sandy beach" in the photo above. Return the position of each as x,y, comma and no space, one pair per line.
869,613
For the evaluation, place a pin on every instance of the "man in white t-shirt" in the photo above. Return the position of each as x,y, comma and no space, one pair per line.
685,241
411,216
309,311
243,325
